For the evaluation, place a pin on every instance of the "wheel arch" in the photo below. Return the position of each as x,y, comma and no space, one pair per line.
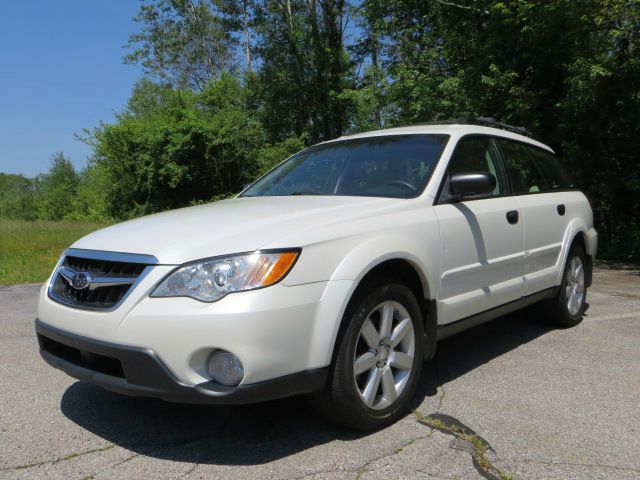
406,269
577,233
580,238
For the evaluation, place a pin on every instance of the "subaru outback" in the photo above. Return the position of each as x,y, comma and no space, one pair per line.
333,275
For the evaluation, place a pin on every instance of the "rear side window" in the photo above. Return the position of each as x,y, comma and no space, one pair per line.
555,175
526,175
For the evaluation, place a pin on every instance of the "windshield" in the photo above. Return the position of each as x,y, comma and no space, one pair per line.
386,166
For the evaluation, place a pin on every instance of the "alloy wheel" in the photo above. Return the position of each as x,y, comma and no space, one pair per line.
574,289
383,358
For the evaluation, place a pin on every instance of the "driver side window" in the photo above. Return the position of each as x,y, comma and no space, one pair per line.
475,155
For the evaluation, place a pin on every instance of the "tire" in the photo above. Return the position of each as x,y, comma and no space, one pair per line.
567,309
388,359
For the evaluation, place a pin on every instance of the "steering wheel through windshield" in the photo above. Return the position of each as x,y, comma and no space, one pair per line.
402,183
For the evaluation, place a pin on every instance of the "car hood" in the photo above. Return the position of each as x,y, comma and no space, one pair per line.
231,226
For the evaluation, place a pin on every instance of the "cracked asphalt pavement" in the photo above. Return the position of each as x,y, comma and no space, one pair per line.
551,404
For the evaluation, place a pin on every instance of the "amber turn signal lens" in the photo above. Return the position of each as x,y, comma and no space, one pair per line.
280,268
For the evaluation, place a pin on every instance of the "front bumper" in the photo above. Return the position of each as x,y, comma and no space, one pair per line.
140,372
275,331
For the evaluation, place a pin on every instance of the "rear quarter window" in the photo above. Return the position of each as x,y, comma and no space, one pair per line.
555,173
525,174
533,169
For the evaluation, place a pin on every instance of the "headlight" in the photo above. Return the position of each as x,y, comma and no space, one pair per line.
210,280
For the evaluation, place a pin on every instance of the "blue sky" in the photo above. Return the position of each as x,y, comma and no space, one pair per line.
60,71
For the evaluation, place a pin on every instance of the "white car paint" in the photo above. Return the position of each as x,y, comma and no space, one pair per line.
467,257
482,261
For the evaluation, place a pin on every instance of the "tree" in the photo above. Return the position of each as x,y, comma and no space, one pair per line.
370,101
91,195
173,147
199,125
17,197
600,122
58,188
305,68
239,16
567,70
303,64
183,42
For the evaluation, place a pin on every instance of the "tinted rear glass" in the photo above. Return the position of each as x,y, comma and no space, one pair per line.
556,176
531,169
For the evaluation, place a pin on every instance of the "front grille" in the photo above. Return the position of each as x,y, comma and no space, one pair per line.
104,297
104,267
108,281
82,358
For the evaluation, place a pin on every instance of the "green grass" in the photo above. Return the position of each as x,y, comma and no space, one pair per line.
30,250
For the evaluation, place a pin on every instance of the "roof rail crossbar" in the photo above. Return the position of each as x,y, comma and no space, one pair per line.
490,121
482,121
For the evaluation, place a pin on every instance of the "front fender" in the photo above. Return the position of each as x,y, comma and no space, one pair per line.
371,253
345,262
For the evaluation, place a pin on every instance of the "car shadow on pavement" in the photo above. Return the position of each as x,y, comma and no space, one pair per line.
461,353
260,433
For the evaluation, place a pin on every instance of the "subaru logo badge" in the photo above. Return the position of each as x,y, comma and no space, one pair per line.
81,280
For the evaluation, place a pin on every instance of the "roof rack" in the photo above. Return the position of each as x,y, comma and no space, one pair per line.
482,121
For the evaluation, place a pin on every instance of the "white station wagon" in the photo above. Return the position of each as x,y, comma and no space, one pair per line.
333,275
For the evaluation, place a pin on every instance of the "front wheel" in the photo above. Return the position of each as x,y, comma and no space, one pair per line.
378,359
569,306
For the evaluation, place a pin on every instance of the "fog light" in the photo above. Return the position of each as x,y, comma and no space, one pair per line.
225,368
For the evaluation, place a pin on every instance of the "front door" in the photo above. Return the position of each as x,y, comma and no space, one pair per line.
482,240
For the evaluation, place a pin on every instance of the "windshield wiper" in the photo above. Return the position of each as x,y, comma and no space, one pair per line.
306,193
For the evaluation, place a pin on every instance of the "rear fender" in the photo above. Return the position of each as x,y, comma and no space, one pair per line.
576,227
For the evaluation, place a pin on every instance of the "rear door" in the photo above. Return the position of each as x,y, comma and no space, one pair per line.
540,187
482,239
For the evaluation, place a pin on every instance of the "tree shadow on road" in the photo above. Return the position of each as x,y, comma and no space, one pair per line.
258,434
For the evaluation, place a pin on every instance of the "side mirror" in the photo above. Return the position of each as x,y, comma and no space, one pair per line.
471,185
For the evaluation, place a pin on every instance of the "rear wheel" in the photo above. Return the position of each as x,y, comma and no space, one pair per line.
378,359
567,308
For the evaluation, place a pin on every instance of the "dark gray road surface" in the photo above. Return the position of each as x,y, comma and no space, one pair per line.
553,404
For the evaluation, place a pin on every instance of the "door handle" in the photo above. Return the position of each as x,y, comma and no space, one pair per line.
513,216
561,209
